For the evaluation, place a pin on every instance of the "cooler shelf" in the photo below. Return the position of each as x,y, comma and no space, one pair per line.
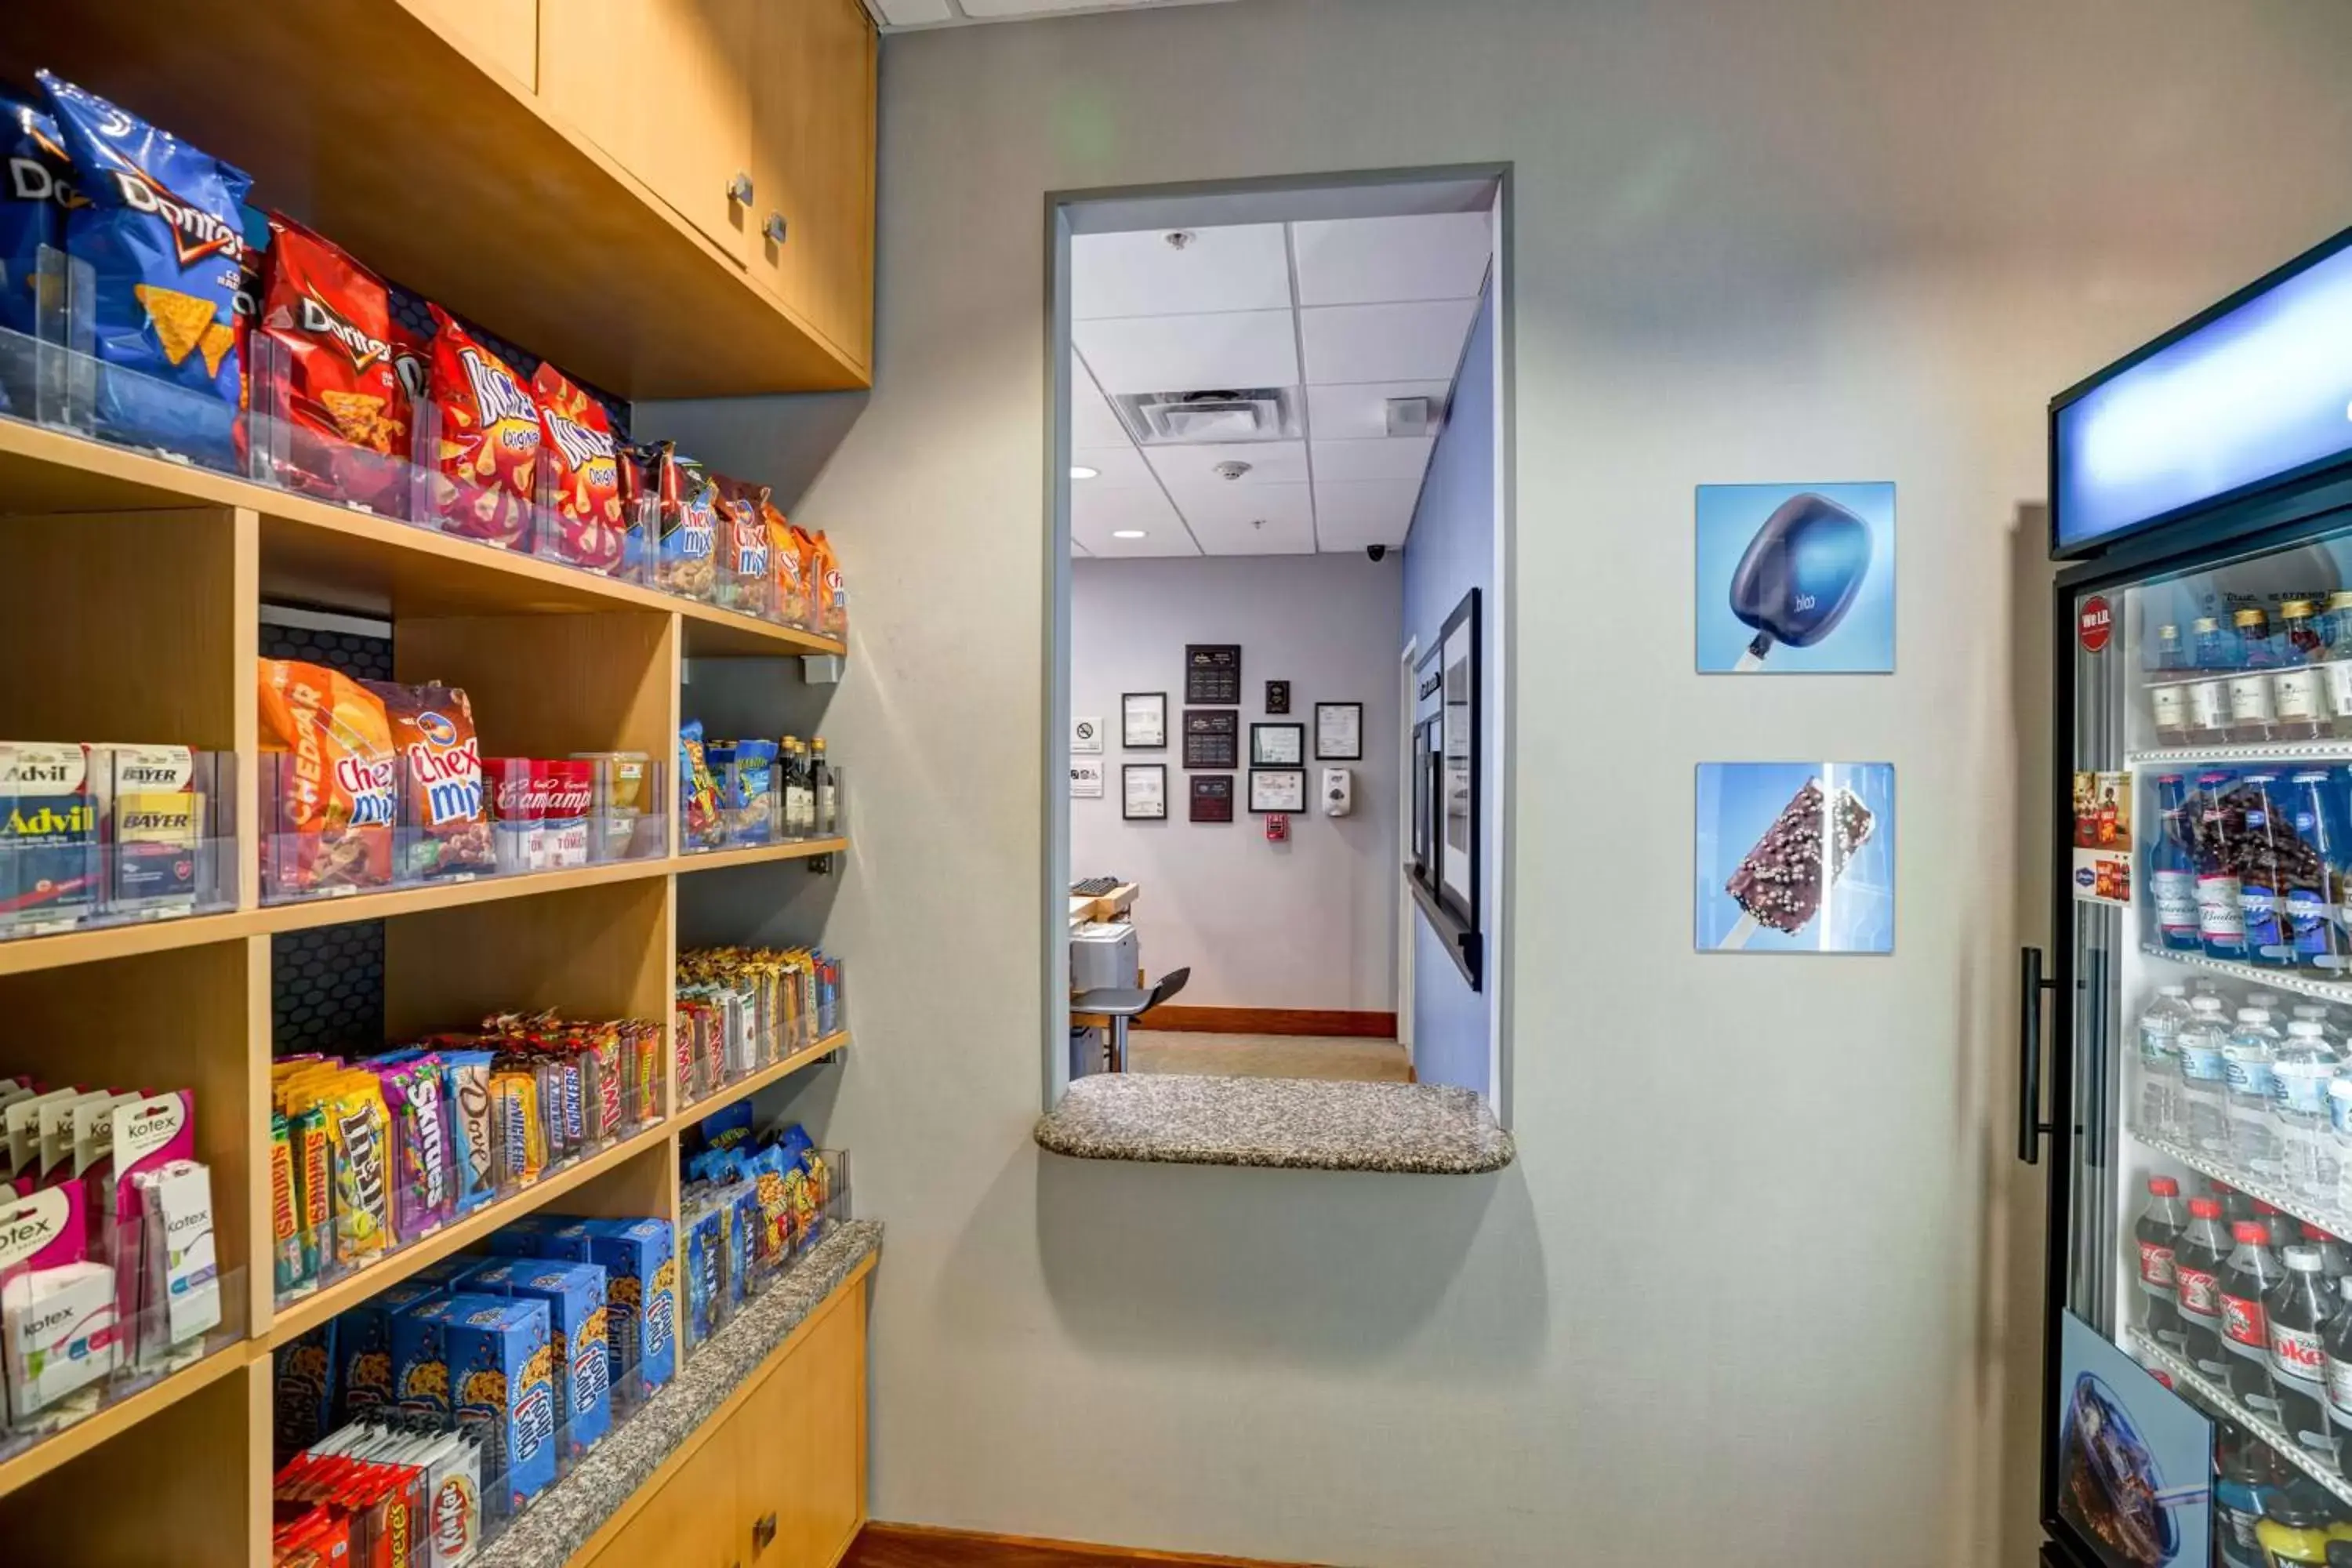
2243,752
2216,1401
2297,980
2327,1216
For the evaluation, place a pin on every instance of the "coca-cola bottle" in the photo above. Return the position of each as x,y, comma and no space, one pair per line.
2197,1260
2336,1343
2334,1261
2283,1229
2252,1274
2298,1309
2158,1231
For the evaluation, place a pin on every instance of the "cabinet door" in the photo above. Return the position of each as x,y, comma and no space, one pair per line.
663,85
502,33
693,1521
803,1447
813,166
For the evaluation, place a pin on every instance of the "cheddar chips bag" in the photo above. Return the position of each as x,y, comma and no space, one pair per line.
331,827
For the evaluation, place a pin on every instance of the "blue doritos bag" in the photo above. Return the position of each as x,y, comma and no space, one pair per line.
32,206
162,238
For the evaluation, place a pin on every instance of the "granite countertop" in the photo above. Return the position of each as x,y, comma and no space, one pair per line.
1295,1123
562,1519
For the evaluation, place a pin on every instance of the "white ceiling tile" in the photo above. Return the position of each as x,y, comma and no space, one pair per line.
1192,470
1379,342
1189,353
915,13
1364,512
1286,533
1359,411
1092,509
1092,421
1239,268
1376,260
1174,543
1078,550
1394,457
1276,505
1117,467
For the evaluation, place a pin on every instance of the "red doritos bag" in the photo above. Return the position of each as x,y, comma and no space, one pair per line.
584,471
487,466
327,325
412,377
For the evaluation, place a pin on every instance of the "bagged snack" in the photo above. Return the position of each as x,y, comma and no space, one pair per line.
161,232
359,1137
790,604
445,828
328,325
487,466
832,594
412,372
699,821
33,202
687,523
584,473
746,576
331,827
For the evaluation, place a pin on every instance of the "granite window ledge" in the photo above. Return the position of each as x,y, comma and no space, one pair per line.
1299,1124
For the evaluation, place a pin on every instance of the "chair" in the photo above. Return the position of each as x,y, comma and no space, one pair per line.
1121,1003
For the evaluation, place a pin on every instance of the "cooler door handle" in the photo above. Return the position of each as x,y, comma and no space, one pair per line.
2032,983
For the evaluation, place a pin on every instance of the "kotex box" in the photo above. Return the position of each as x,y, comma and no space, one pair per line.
640,1262
577,1319
502,1379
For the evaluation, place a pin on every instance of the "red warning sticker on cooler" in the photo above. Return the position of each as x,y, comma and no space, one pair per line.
2096,623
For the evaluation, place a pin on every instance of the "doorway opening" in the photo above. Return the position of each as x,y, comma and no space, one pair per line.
1279,576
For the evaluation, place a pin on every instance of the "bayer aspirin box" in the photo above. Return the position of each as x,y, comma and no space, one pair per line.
574,1294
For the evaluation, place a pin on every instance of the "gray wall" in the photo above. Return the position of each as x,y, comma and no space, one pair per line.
1764,1273
1311,923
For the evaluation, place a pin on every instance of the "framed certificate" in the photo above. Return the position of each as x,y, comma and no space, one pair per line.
1143,721
1339,731
1213,798
1277,789
1143,792
1277,745
1212,737
1213,672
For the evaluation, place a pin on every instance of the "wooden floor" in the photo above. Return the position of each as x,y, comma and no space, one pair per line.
1267,1056
912,1546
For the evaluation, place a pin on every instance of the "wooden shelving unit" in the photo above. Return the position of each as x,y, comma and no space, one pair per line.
135,590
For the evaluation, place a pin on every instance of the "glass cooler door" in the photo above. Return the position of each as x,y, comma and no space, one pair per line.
2200,1406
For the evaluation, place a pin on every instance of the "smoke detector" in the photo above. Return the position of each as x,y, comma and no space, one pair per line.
1230,470
1411,415
1212,416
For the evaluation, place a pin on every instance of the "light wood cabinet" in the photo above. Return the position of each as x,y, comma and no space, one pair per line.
813,83
665,87
503,34
690,1522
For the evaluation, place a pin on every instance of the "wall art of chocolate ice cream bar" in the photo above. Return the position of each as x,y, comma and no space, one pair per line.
1795,857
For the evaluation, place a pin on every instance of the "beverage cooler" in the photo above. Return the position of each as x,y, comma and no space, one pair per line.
2197,1405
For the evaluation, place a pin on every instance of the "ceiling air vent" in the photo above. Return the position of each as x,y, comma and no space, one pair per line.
1190,418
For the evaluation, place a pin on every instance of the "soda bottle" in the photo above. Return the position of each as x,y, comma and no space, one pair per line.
2172,868
2297,1310
2204,1078
2235,1204
2248,1278
2296,699
2262,841
2305,1064
2252,712
2243,1469
2335,1261
2221,900
2280,1229
2298,1524
2336,1341
2212,655
2335,667
2158,1234
2248,1062
2198,1261
2160,1062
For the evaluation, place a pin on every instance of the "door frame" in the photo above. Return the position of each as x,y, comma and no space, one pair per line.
1406,915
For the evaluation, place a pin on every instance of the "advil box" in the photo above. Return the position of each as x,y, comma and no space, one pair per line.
574,1294
503,1376
363,1341
641,1291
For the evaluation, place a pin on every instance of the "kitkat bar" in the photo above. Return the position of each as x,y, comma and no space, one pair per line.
1781,881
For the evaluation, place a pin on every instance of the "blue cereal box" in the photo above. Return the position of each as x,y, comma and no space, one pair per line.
502,1379
363,1343
641,1291
574,1294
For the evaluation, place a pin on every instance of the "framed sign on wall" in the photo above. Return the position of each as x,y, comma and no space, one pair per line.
1277,745
1212,737
1213,798
1143,721
1277,789
1277,697
1213,672
1339,731
1143,792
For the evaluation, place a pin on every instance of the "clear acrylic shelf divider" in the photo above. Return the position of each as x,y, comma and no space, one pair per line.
136,1350
722,1269
144,833
731,1030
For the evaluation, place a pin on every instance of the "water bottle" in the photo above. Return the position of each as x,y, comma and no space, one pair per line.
2318,1013
2204,1078
2221,900
2304,1065
2160,1062
2252,715
2248,1060
2172,870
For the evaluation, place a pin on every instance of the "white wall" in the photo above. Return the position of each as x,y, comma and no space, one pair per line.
1310,923
1763,1280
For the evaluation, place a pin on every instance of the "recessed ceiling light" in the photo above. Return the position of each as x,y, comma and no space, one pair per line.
1080,471
1127,533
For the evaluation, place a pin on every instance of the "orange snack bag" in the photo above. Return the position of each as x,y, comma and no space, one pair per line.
331,824
784,559
831,595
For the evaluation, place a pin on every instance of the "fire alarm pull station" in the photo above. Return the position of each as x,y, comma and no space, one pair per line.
1278,827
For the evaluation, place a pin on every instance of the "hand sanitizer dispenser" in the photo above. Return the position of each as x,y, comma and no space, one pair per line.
1338,791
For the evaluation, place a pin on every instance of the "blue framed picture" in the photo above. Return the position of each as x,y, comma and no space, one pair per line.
2135,1459
1795,857
1795,579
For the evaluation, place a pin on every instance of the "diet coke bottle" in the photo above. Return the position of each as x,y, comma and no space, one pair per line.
2298,1310
2158,1232
2197,1260
2252,1275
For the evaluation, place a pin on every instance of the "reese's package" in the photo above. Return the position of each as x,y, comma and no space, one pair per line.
160,231
326,326
488,460
331,827
584,471
33,203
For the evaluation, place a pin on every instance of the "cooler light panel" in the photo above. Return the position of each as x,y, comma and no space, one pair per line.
2260,391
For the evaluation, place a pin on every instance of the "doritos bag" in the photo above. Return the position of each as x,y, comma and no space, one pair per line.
33,202
584,471
327,323
333,823
488,461
161,238
412,365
